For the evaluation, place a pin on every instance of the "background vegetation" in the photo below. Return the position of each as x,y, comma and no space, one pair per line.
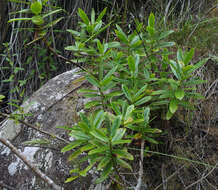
25,68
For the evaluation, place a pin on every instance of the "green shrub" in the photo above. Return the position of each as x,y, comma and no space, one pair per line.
133,81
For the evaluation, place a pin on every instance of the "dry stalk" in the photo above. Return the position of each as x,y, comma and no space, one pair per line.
35,128
139,183
43,176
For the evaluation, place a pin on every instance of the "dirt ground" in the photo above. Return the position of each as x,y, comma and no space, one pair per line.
192,135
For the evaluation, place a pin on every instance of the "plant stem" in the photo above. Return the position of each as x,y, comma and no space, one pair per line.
115,165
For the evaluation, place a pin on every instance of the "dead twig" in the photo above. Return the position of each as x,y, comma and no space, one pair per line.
139,183
35,128
43,176
203,177
3,185
171,176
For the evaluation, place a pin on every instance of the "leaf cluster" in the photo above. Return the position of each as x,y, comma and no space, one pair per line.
133,79
39,18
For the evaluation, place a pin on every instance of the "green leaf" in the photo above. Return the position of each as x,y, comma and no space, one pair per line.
71,48
71,146
150,30
93,16
121,35
85,90
99,135
113,44
121,142
115,108
165,44
106,48
137,60
110,73
92,103
151,140
147,115
98,26
198,65
101,15
106,82
134,40
173,106
151,20
37,141
99,118
87,147
44,2
115,125
150,130
126,92
92,80
83,16
36,7
143,100
85,119
195,95
99,150
129,111
187,68
91,95
37,20
69,179
180,57
54,22
175,69
18,19
97,142
1,97
110,116
21,11
165,34
188,56
194,82
75,170
79,135
74,155
122,154
109,85
73,32
100,47
140,91
103,162
169,115
52,12
131,63
167,94
91,164
114,94
158,92
179,94
106,171
124,164
84,128
84,172
118,134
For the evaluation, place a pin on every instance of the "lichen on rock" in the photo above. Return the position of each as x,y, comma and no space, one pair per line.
54,104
